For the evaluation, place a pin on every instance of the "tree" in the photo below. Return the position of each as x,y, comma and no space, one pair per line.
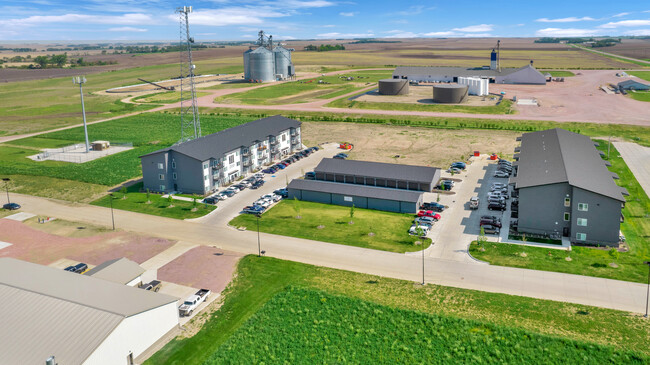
481,237
438,198
296,207
148,195
169,199
123,191
614,254
42,61
351,213
59,59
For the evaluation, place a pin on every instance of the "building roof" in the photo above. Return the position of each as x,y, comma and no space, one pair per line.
391,171
120,270
558,156
356,190
633,84
46,311
217,144
454,71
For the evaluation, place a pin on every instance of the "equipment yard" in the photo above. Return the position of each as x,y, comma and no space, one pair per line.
423,94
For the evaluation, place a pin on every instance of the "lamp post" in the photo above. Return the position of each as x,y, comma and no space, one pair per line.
422,262
647,296
82,80
259,247
6,180
112,216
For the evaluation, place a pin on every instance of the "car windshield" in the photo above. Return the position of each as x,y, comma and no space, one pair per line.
188,303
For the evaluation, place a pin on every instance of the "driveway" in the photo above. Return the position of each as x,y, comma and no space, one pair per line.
637,158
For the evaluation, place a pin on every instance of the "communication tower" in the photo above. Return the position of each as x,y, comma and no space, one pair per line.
190,124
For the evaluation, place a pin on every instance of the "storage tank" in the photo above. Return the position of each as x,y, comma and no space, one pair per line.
261,65
282,61
393,87
247,73
449,93
493,59
477,86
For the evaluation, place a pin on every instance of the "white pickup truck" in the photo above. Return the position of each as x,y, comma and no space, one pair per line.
193,301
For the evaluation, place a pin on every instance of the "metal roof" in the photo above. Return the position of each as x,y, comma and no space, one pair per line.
558,156
391,171
46,311
627,84
356,190
121,270
454,71
216,144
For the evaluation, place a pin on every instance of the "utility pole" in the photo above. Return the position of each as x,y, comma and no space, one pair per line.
6,180
82,80
609,143
647,296
259,248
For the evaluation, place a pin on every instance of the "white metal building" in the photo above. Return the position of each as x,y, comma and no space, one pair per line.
476,85
121,271
79,319
523,75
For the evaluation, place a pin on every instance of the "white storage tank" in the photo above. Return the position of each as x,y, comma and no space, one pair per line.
476,85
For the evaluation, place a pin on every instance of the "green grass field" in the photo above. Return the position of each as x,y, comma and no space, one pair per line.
585,260
505,107
168,97
137,202
640,95
49,187
258,280
645,75
558,73
390,229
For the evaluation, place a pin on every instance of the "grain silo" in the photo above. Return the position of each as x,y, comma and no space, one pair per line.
283,64
261,66
394,87
267,63
247,72
449,93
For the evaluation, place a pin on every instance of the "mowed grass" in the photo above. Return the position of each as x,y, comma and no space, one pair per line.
390,229
558,73
585,260
645,75
640,95
168,97
49,187
505,107
260,279
306,326
136,201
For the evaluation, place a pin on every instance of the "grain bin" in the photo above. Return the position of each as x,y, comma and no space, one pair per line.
247,72
282,58
449,93
261,65
393,87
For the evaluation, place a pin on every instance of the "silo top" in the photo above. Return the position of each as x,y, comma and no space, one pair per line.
261,50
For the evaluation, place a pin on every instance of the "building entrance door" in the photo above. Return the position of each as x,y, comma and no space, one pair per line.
565,232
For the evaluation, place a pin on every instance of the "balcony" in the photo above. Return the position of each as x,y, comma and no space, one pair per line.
246,154
217,165
217,175
275,150
275,142
294,133
295,141
518,149
247,163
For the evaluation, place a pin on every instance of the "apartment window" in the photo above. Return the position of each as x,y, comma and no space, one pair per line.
284,137
231,159
581,236
175,176
583,207
160,166
161,177
206,165
162,187
205,177
582,222
173,164
567,202
567,217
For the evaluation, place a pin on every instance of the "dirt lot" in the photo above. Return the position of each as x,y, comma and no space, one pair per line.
635,48
414,145
201,267
422,94
59,239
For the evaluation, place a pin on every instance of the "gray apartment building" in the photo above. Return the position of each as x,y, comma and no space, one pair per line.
566,189
204,164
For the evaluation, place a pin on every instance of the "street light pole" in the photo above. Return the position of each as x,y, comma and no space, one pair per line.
6,180
112,216
647,296
82,80
422,262
259,247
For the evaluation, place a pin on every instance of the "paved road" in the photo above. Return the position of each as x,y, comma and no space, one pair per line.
538,284
637,158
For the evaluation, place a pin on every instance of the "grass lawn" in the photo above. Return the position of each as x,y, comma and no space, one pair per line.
137,202
640,95
49,187
390,229
259,280
558,73
505,107
168,97
586,260
645,75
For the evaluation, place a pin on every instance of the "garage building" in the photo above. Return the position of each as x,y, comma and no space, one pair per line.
122,271
524,75
632,85
387,175
76,318
361,196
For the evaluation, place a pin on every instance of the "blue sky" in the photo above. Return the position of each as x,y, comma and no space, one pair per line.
307,19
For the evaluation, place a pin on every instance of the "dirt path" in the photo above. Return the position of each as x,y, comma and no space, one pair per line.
611,54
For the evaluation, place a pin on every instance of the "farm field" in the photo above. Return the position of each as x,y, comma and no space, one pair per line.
390,229
635,48
258,280
645,75
168,97
590,261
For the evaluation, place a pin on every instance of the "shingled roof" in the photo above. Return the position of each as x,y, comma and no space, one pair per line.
380,170
365,191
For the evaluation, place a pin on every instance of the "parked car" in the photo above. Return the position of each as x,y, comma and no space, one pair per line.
153,285
437,207
424,220
268,170
193,301
79,268
262,203
314,149
473,202
429,213
445,185
272,197
227,193
338,157
490,220
414,229
280,166
257,184
496,206
11,206
244,183
284,193
310,175
489,229
501,174
253,209
211,200
70,268
233,189
345,155
454,170
499,185
459,165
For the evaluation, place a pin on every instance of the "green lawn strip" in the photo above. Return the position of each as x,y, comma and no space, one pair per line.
645,75
259,279
640,95
168,97
346,89
42,142
556,73
49,187
503,108
304,326
390,229
137,202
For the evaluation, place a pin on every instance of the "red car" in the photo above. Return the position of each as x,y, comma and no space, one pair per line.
429,213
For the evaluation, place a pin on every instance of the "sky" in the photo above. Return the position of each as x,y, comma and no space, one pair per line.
132,20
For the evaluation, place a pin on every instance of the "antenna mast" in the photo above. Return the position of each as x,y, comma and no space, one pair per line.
190,125
499,55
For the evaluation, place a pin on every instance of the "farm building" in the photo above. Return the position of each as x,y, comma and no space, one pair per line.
122,271
361,196
632,85
524,75
565,188
203,164
78,319
388,175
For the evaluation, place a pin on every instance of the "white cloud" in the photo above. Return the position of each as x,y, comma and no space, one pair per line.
475,28
626,23
565,32
127,29
638,32
565,20
307,4
232,16
125,19
440,34
401,34
328,26
347,14
412,10
620,15
345,35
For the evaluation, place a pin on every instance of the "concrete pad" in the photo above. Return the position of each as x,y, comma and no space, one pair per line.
4,244
168,255
22,216
63,263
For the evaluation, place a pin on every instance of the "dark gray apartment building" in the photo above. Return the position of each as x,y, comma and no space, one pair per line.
566,189
204,164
